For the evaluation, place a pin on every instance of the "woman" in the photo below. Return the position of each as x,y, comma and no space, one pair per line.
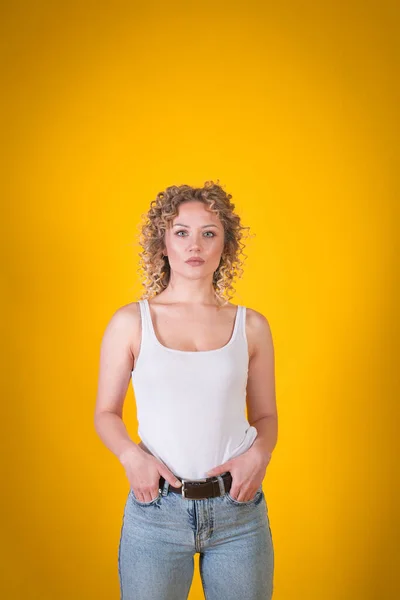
196,476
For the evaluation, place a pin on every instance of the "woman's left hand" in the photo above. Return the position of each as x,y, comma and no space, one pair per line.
248,472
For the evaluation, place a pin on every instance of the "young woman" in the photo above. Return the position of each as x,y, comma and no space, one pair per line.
194,360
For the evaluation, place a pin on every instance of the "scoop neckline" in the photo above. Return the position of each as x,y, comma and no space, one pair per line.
157,341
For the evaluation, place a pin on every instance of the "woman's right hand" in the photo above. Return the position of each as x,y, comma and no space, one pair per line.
143,471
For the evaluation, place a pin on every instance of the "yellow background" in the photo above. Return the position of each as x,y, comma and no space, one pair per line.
292,107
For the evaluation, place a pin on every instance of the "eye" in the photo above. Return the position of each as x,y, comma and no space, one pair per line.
183,231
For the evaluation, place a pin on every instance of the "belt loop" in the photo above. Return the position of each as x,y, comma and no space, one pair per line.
221,485
165,487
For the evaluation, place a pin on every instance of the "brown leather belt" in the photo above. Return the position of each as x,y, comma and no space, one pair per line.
196,490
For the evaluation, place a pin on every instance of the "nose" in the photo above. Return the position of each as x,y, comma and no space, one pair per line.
194,242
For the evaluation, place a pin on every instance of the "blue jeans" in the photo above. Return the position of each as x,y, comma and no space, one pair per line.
159,539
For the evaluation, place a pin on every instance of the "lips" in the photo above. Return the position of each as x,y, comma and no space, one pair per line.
195,261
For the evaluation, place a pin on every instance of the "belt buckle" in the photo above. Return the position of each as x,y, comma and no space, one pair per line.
183,488
197,481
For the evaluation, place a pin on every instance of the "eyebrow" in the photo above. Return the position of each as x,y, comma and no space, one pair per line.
188,226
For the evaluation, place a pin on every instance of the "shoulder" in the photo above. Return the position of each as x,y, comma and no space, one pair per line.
124,324
258,330
256,319
128,314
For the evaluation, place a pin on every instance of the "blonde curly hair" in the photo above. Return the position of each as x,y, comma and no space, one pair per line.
162,210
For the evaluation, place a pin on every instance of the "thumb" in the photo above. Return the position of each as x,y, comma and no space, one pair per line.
218,470
170,477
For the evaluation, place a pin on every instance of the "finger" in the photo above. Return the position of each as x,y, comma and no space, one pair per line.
241,495
170,477
247,496
147,496
152,495
234,492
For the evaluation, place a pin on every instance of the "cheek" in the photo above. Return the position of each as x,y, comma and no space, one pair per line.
217,251
173,246
175,250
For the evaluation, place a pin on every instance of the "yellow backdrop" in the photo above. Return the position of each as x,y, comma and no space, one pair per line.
292,107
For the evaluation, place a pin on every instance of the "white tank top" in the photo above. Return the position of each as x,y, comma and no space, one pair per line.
191,405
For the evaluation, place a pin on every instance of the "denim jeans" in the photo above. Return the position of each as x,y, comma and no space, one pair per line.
159,539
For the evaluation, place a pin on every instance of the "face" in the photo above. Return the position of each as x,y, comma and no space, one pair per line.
194,232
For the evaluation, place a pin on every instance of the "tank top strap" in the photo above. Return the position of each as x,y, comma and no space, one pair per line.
239,330
145,318
242,321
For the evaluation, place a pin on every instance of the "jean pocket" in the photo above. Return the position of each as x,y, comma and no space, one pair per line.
140,503
253,502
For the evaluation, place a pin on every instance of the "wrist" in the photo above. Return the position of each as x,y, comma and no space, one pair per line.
259,448
129,451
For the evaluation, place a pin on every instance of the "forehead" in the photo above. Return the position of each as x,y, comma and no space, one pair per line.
195,212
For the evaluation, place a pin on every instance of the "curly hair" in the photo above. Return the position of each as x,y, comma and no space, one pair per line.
161,213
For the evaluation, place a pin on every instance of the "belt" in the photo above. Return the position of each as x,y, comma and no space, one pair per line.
196,490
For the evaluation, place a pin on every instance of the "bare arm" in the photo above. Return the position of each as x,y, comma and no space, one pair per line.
116,363
261,395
